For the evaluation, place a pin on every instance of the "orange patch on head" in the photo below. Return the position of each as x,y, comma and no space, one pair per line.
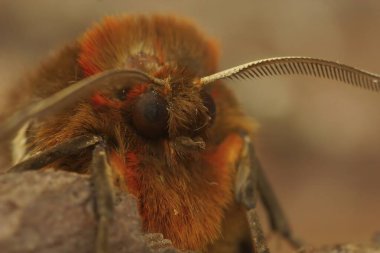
98,100
101,101
136,91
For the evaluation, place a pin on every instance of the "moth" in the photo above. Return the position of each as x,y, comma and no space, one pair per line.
142,97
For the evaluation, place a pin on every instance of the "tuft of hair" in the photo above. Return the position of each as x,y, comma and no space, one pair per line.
168,43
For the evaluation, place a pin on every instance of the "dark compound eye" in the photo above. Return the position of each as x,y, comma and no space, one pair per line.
209,103
121,94
150,115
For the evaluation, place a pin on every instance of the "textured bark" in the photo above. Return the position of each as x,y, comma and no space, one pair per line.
52,211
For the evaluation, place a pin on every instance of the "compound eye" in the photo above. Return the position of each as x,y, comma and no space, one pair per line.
121,94
150,115
209,103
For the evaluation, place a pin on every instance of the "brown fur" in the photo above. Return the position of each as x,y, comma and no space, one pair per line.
183,194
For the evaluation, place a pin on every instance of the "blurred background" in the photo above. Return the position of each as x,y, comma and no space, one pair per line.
319,141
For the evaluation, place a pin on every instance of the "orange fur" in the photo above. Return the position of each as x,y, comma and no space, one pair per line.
186,206
135,92
99,100
152,45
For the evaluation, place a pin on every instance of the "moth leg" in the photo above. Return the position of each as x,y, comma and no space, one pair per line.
277,218
103,195
254,178
43,158
245,193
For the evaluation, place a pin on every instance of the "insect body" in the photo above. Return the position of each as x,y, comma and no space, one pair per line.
175,136
183,191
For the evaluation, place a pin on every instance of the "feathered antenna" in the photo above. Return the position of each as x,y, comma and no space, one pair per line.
261,68
296,65
69,95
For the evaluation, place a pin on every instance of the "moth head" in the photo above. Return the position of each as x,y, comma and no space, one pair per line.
171,110
170,49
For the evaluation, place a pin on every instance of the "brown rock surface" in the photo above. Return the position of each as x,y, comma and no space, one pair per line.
51,211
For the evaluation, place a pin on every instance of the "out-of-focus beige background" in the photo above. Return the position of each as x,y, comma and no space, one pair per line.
319,141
